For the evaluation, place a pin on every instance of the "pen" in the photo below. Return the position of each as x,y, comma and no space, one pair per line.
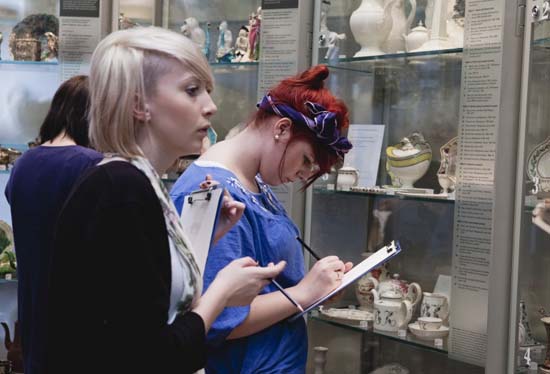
308,249
287,295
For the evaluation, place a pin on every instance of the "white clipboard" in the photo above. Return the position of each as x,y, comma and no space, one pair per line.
375,260
199,216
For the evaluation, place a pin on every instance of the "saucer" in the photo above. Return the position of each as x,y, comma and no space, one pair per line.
347,314
441,332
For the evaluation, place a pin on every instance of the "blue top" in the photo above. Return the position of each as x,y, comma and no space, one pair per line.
266,234
38,186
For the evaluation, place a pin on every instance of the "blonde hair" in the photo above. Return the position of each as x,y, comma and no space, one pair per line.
124,72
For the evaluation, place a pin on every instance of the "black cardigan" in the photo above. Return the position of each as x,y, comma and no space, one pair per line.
110,283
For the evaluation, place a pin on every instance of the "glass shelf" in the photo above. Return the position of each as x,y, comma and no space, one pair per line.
32,63
233,67
5,171
369,63
384,195
6,281
410,339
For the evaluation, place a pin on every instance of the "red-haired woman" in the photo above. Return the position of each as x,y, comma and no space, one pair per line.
296,135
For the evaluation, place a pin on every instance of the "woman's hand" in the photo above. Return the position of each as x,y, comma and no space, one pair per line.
338,296
323,277
231,211
242,280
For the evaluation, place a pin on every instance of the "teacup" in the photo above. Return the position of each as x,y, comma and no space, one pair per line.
429,323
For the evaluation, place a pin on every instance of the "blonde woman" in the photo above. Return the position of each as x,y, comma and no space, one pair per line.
125,288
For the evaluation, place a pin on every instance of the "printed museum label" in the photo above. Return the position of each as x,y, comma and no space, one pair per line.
473,229
365,154
79,33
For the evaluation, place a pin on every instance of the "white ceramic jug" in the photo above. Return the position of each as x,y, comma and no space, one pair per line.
347,178
401,25
370,24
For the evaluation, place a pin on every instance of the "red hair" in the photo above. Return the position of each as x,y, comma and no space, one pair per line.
295,91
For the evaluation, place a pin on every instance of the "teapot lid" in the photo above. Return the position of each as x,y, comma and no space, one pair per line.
419,28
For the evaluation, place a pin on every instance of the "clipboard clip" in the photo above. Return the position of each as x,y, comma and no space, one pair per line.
393,246
208,196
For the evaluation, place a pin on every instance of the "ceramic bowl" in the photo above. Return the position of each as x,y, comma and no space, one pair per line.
411,173
442,332
429,323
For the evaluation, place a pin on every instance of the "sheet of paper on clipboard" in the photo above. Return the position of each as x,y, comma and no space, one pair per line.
199,215
373,261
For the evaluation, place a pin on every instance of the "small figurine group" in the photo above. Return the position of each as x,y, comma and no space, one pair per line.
247,44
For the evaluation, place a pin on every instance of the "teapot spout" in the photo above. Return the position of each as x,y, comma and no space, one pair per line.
7,338
375,294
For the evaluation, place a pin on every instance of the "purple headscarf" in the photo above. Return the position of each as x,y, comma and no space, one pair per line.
322,122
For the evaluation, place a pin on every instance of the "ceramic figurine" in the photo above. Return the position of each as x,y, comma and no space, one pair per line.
225,40
334,40
207,43
49,53
327,38
446,174
370,25
255,23
126,22
241,46
401,25
455,23
191,29
410,159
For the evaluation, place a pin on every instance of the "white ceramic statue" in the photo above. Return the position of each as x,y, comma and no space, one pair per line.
241,46
191,29
225,40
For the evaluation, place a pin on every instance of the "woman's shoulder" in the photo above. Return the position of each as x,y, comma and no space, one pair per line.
117,182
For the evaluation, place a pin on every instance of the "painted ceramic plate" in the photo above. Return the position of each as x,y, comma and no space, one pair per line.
347,314
538,165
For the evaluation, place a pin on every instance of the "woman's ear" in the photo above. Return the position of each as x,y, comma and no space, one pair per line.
282,129
142,115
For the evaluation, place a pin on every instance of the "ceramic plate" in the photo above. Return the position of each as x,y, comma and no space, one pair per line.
346,314
538,165
442,332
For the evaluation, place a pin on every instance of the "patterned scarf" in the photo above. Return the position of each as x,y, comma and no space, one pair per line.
186,284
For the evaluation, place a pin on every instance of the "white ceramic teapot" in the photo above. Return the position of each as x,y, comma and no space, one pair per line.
407,291
347,178
418,36
391,311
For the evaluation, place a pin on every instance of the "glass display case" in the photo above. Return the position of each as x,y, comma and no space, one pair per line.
530,304
400,68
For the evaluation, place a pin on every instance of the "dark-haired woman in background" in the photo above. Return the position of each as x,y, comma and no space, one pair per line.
296,135
38,186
